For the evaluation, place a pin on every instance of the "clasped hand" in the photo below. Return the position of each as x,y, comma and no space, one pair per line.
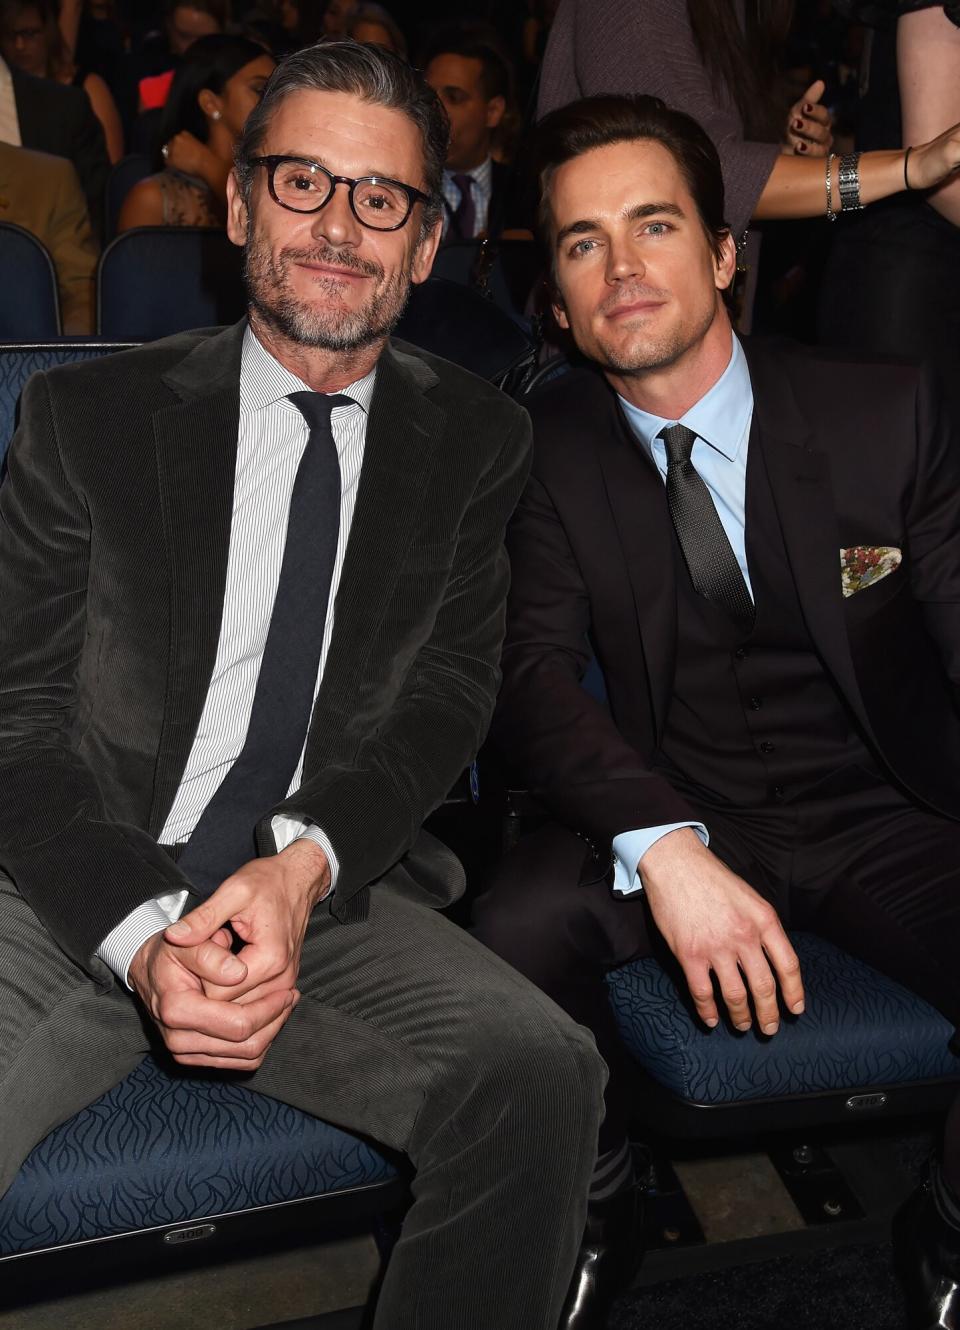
215,1008
717,925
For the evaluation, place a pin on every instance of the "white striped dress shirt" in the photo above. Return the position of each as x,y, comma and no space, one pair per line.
272,437
482,176
9,120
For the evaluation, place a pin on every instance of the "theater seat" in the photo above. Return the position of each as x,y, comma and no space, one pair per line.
864,1047
173,1159
30,307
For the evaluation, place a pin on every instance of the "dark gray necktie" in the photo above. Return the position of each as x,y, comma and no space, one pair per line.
464,220
707,552
223,839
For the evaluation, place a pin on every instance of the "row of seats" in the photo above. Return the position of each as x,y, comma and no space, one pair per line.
166,1163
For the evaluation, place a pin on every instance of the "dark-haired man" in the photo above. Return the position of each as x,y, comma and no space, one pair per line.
761,547
473,82
250,618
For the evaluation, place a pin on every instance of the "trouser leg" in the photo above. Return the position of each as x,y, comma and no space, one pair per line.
63,1043
412,1032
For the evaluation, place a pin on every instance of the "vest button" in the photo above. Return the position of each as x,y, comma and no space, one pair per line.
755,704
767,747
741,653
778,793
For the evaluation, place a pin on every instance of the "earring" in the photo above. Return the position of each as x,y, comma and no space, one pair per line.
214,115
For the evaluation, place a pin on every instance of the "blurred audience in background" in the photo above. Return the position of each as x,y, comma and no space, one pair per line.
218,82
31,39
184,21
43,195
374,26
475,83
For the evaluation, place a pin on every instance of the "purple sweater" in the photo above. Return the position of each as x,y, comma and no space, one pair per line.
632,46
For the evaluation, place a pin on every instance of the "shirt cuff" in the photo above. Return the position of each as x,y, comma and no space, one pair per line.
629,847
288,829
122,943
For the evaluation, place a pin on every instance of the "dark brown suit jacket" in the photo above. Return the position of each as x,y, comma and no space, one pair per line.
857,454
114,529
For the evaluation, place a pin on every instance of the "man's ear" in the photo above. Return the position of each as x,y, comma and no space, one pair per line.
496,110
558,307
726,263
236,211
426,252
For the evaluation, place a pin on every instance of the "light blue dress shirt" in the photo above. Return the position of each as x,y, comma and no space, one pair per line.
721,420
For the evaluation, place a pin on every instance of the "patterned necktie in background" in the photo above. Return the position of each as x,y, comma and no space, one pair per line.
464,220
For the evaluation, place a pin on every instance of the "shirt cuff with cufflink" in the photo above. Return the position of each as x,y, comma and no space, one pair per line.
629,847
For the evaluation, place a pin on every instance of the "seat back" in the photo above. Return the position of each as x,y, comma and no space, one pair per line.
157,280
18,360
30,307
457,323
122,178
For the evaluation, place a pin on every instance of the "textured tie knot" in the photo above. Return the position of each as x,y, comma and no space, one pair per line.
464,183
679,441
316,407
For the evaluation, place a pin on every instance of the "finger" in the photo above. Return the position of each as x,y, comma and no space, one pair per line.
697,975
786,966
763,989
813,94
266,967
251,1052
733,990
209,916
214,964
221,1020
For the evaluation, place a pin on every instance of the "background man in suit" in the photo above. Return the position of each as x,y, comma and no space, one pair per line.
473,81
250,619
761,547
49,117
42,194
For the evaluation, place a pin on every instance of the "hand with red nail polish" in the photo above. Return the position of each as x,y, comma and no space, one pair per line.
809,124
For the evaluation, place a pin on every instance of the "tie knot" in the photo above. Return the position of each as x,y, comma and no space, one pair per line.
316,407
679,440
464,183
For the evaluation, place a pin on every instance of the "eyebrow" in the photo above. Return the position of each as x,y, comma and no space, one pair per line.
587,224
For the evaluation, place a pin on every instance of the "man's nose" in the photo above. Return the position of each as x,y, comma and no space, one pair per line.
624,260
335,221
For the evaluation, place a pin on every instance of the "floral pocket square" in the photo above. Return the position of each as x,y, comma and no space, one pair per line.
862,565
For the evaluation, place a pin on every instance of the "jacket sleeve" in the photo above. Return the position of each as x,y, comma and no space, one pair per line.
372,809
562,742
80,871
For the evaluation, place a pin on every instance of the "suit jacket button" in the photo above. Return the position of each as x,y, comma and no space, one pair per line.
767,747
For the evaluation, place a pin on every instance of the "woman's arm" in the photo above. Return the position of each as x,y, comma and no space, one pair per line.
928,69
105,109
143,206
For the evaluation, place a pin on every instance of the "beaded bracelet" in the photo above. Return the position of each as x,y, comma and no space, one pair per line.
831,215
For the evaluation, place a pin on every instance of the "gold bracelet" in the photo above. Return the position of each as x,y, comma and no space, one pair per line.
831,215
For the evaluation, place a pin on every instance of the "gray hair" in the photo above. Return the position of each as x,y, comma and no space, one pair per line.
368,72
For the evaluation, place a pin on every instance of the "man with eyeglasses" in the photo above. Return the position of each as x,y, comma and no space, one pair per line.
251,602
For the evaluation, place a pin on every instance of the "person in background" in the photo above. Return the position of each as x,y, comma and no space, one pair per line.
50,117
334,20
473,81
218,83
31,40
372,23
185,21
892,281
43,195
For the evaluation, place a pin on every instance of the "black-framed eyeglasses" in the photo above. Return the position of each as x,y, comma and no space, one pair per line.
303,185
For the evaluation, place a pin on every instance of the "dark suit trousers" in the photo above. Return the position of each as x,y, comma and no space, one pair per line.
407,1031
854,862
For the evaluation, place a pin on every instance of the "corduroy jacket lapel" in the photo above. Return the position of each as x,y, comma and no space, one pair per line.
196,445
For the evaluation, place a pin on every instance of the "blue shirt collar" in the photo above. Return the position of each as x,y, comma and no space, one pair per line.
721,417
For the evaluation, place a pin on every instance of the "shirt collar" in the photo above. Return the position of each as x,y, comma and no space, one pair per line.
480,174
721,417
264,381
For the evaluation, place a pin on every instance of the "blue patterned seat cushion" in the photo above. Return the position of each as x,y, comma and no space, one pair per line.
162,1149
859,1029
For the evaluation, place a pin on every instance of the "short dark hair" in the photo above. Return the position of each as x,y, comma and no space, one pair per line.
474,42
597,122
368,72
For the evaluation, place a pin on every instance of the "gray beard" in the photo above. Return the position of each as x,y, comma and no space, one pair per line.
271,298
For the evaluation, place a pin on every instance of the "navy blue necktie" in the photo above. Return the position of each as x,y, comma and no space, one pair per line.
224,837
707,552
464,219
